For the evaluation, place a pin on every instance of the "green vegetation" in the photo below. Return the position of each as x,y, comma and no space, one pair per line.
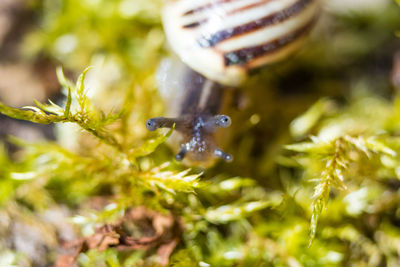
319,187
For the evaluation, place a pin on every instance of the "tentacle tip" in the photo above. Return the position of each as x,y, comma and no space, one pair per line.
179,157
223,155
181,154
228,158
151,125
224,121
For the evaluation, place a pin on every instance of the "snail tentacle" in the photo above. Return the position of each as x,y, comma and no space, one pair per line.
162,122
181,154
223,155
222,121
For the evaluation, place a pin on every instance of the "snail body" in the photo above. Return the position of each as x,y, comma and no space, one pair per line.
219,42
193,102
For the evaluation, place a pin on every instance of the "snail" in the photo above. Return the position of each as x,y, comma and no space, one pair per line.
219,42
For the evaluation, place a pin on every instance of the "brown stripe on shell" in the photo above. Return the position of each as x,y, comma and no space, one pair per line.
234,11
206,6
271,19
245,55
194,24
250,6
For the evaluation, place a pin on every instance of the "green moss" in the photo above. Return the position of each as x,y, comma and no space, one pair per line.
318,187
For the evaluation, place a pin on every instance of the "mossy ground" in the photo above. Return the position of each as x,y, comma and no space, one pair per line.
315,180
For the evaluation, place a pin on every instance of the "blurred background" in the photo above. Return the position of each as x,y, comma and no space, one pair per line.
343,83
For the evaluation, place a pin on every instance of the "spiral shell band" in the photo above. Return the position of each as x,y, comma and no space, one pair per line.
207,6
274,18
246,55
231,12
223,39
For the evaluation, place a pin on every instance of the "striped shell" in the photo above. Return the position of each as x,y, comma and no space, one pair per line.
223,39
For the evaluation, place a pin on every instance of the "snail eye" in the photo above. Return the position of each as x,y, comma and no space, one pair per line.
223,121
152,125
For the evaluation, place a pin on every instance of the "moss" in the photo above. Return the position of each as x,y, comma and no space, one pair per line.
318,187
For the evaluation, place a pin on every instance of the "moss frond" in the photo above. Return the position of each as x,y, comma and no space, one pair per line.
333,161
86,116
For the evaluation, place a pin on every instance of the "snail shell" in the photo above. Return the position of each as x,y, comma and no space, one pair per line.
223,39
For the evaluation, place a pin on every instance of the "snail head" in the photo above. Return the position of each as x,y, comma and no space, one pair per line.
197,133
